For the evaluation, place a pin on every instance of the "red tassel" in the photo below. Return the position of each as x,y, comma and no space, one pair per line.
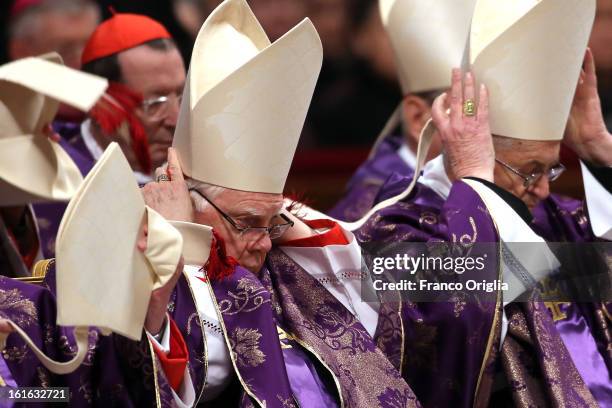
117,107
219,265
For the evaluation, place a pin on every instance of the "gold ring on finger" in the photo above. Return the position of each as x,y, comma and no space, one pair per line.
469,107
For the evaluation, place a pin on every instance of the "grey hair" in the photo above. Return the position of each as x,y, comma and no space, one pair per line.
209,190
27,22
502,143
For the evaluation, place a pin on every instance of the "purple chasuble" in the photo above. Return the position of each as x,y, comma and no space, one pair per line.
116,371
531,369
365,184
447,344
315,319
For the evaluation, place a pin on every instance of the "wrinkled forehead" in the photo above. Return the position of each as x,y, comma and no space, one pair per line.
253,204
527,151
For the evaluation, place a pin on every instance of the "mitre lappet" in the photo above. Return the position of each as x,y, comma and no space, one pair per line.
245,100
103,280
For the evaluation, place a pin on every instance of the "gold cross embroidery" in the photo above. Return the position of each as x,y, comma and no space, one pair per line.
557,313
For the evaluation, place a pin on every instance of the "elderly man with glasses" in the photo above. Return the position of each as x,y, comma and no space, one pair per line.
243,110
552,349
139,111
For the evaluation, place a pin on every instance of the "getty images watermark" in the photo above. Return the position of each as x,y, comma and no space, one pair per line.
484,272
405,264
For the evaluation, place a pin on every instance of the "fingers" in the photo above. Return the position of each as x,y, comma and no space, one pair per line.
483,105
456,99
174,167
438,112
468,87
590,77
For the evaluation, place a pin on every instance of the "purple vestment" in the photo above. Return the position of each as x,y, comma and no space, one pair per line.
447,343
116,371
367,181
534,355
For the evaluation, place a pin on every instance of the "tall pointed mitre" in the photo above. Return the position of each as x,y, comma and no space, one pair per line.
245,100
428,39
33,168
103,279
529,54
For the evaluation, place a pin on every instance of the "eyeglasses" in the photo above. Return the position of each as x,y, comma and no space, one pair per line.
158,108
273,231
530,179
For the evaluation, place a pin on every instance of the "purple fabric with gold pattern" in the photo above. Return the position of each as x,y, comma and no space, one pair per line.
533,354
446,343
115,372
369,178
334,336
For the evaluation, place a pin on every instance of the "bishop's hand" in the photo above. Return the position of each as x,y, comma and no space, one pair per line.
586,132
169,196
464,129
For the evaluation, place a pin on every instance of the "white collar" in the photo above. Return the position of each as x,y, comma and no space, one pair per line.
96,151
94,148
435,177
407,155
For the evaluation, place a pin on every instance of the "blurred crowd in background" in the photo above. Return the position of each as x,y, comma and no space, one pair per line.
357,90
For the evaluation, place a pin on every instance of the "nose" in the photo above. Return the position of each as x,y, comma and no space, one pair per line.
264,243
541,188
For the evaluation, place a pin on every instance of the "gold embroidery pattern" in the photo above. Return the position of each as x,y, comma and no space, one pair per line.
43,377
18,308
286,402
48,331
467,239
192,317
250,297
245,347
17,354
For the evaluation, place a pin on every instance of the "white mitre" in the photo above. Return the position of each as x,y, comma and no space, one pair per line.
32,167
103,280
428,39
529,54
245,100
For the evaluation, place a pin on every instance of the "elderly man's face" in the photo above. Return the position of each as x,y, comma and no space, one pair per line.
528,157
248,210
156,73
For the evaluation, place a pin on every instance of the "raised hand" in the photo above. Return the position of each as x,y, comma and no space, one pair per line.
586,132
465,131
169,196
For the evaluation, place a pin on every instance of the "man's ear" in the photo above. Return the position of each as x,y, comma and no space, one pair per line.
416,111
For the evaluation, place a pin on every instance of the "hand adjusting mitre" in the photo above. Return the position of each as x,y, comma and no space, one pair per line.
103,280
